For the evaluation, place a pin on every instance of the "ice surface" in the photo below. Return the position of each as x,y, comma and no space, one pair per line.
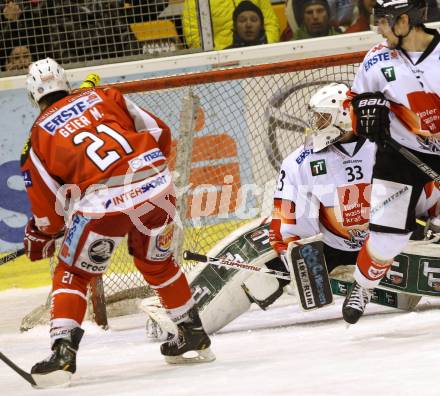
282,351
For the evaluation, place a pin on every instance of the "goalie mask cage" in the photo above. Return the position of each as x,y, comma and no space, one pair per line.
231,128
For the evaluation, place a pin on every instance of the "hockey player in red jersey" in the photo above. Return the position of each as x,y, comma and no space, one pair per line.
95,171
396,99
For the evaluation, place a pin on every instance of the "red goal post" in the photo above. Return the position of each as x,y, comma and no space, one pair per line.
231,129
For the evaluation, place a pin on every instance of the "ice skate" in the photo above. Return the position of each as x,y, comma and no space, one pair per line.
190,345
355,303
56,371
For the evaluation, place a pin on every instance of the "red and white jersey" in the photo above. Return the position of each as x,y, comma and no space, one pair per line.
326,192
110,152
411,82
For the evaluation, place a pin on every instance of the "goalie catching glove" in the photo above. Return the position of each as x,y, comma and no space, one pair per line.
372,120
37,244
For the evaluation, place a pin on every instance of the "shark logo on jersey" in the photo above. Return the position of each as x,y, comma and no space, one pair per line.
357,238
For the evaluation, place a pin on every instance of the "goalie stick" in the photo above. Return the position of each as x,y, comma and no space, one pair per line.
11,256
201,258
24,374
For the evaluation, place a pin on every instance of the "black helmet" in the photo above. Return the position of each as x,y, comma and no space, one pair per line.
392,9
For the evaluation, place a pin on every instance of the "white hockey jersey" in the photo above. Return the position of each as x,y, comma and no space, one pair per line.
411,81
326,192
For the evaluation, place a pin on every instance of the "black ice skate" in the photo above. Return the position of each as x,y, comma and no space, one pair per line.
191,338
57,369
355,302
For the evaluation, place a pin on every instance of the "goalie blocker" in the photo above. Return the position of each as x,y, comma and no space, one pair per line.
306,261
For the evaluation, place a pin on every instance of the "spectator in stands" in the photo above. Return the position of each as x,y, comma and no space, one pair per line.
248,25
362,22
91,30
313,18
24,24
341,15
19,59
222,24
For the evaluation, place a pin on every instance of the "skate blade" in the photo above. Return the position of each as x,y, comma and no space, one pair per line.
203,356
56,379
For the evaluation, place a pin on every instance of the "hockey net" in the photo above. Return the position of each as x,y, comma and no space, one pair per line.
231,129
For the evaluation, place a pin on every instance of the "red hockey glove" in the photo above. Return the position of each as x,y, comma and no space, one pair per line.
37,244
372,116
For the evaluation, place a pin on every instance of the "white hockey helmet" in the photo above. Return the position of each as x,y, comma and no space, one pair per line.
329,119
45,76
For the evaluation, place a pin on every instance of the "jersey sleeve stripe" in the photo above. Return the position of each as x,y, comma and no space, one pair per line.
142,120
48,180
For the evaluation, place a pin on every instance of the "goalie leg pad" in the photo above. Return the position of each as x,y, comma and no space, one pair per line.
261,289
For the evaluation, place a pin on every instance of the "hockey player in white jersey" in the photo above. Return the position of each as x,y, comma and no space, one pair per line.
324,186
396,98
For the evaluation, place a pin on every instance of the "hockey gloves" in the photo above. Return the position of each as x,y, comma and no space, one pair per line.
372,120
37,244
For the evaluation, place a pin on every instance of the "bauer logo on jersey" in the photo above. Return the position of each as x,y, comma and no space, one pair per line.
318,167
145,159
68,112
388,73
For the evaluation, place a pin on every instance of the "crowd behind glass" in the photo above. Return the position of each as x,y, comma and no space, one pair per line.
86,32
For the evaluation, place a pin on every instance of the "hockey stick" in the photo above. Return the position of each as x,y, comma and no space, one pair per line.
11,256
223,262
24,374
427,170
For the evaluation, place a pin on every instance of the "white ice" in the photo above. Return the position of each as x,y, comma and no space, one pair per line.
282,351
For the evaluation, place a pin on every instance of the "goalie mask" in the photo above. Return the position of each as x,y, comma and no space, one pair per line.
390,10
329,119
44,77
